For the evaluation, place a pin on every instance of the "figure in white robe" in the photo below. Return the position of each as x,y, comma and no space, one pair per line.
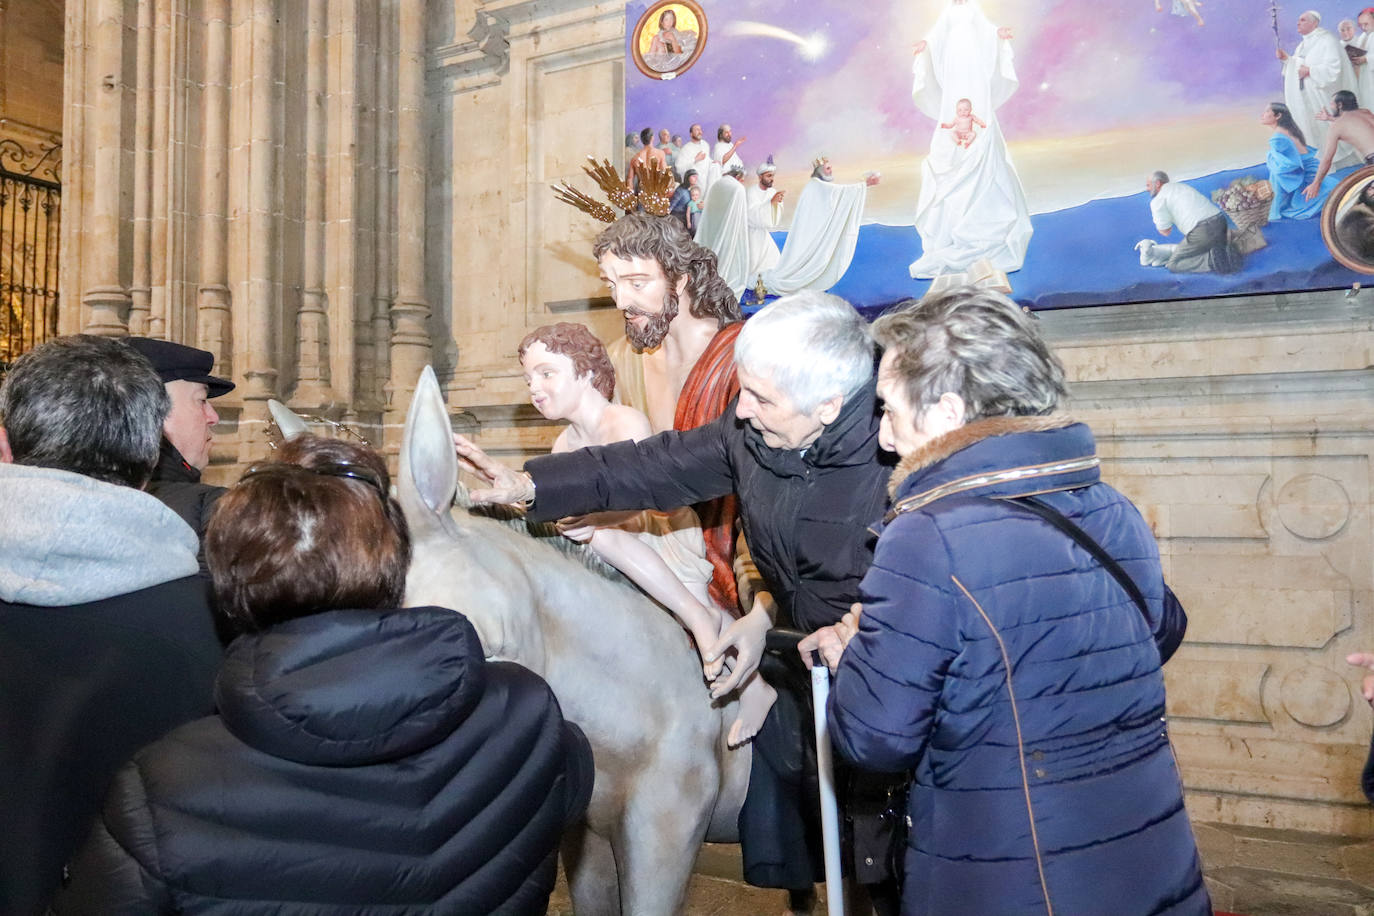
1316,70
724,152
1364,74
971,204
825,231
724,229
696,154
764,213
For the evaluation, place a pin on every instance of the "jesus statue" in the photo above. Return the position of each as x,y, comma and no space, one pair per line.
971,204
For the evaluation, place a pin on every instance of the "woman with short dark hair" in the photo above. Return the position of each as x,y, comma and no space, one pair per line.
365,755
996,655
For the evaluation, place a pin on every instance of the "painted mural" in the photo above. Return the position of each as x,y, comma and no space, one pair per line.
1016,139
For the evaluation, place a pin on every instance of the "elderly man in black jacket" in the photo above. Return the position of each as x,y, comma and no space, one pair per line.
800,449
187,431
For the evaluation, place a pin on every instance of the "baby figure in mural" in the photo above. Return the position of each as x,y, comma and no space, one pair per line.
962,125
1184,8
571,378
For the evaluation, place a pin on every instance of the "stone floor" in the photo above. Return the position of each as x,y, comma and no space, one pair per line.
1250,871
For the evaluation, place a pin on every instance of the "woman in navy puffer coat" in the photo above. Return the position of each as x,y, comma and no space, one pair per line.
995,656
363,761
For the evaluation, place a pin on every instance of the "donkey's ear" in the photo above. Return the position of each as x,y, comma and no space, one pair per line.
429,466
290,424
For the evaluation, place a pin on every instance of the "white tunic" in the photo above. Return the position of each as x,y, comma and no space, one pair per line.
1178,204
1364,78
724,229
971,204
1324,56
820,245
720,150
763,217
707,169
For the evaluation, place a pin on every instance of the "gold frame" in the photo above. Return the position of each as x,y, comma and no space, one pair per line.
650,19
1335,204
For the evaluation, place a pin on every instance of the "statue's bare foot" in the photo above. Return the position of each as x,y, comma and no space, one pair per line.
755,699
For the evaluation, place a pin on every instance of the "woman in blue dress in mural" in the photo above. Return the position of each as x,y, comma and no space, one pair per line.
1292,166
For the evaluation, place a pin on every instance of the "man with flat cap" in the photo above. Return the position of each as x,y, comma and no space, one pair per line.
187,433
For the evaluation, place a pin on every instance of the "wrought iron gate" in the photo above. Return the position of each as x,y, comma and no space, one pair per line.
30,233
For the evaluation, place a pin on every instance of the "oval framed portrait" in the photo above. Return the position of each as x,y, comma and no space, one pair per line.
668,38
1348,221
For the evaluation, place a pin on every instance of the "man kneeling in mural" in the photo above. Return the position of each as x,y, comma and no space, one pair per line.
1205,247
800,448
570,378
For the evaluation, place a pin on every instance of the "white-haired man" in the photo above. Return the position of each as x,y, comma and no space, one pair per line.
1316,69
800,451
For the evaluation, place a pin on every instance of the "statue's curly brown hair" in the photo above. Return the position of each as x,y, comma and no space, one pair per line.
580,345
663,238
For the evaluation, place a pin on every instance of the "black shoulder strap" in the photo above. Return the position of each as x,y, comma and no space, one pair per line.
1084,540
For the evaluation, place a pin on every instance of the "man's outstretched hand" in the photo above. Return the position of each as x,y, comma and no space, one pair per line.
747,637
506,485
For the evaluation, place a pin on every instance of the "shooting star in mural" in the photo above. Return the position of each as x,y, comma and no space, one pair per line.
811,47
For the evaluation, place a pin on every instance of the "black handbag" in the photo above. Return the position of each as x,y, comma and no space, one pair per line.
1175,621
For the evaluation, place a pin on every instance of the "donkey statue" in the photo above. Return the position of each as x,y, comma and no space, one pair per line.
621,667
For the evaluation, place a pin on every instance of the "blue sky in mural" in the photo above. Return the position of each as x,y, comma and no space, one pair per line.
1084,66
1108,91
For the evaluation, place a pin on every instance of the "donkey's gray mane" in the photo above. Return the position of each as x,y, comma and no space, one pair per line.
546,534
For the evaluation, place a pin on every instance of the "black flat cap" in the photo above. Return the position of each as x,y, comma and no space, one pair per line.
178,362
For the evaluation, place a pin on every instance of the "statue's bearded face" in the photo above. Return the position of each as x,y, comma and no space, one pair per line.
641,291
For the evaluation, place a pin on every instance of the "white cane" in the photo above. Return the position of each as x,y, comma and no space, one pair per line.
825,773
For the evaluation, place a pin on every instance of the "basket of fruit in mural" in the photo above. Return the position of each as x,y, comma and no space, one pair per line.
1246,202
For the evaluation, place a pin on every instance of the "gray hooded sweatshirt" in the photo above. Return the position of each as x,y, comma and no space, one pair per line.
68,539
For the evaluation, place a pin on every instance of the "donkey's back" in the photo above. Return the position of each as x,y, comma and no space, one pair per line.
621,668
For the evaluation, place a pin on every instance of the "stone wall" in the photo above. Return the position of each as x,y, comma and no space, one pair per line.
249,176
30,69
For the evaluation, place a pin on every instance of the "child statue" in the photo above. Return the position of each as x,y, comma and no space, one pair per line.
571,378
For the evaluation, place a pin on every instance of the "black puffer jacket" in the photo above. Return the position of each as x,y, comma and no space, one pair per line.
178,485
362,762
805,515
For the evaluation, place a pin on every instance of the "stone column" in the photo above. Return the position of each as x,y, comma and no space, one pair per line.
255,348
410,339
312,327
161,91
71,319
213,324
385,135
141,288
105,300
